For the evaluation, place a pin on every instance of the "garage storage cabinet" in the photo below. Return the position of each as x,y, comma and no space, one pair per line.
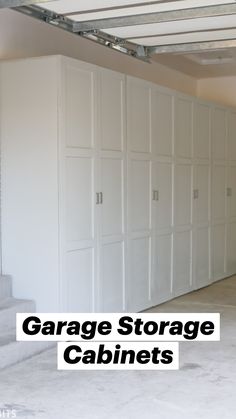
117,194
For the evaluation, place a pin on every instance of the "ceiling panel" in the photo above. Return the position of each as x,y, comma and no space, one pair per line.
174,27
184,39
71,6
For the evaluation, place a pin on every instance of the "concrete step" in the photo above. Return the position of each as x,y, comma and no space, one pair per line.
8,309
12,352
5,287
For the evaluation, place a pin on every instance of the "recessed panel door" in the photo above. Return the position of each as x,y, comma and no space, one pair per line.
140,270
182,193
201,194
162,194
138,111
80,85
231,192
232,136
112,111
201,143
201,262
182,262
183,127
162,268
112,236
231,246
162,123
218,251
218,138
139,195
218,192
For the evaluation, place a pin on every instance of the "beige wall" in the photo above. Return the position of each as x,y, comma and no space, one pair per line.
219,89
22,36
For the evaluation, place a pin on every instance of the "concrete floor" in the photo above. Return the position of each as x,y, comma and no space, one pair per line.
203,388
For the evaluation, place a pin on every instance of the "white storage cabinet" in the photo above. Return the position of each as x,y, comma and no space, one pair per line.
117,194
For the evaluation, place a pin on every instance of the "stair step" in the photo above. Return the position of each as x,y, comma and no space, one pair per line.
8,309
5,287
12,352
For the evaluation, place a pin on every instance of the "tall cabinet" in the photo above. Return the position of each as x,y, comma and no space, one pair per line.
117,194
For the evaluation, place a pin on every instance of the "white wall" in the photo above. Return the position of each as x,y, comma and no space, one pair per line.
218,89
22,36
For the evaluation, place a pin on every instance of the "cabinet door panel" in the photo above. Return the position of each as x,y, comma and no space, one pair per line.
183,124
182,195
231,246
218,251
231,200
182,262
201,204
79,199
162,123
232,136
112,111
202,258
112,187
138,295
79,280
162,264
79,107
201,131
218,134
112,278
218,192
138,116
162,182
139,196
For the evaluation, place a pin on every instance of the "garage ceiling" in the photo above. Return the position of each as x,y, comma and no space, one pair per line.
144,28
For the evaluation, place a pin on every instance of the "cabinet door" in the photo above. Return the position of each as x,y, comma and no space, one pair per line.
139,273
182,193
218,251
112,236
138,115
231,246
218,192
162,185
231,192
162,123
201,245
79,105
139,190
183,127
201,174
218,138
232,136
80,234
112,110
161,268
80,102
201,143
112,179
182,262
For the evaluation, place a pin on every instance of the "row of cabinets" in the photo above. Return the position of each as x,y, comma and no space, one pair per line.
152,119
136,188
157,200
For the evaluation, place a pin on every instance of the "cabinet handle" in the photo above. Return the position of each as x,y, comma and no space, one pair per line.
155,195
101,197
229,192
195,194
97,198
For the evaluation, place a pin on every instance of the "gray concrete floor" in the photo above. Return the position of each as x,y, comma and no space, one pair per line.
204,388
